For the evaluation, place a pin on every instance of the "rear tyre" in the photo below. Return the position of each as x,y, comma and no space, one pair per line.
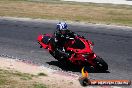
101,65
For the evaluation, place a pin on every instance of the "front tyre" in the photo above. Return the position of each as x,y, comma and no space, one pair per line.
101,65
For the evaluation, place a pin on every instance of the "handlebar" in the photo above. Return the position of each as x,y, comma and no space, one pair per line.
69,38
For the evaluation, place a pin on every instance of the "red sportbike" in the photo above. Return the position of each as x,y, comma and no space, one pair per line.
79,51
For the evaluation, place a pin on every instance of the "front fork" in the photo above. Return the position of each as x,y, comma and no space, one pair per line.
91,60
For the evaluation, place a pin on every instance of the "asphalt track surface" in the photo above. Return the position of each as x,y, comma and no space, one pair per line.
113,44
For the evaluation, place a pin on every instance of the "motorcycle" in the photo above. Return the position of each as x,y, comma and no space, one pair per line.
80,52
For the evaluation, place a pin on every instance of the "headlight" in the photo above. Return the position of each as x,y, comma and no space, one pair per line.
91,46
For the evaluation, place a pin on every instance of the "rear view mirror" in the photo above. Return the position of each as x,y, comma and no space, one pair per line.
92,43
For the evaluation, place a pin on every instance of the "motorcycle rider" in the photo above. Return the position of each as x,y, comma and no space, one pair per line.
62,34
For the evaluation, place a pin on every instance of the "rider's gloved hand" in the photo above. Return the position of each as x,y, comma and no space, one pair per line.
80,36
56,40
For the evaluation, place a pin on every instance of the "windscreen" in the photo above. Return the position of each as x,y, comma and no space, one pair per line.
78,44
45,40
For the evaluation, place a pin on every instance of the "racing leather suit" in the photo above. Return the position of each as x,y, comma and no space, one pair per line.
60,40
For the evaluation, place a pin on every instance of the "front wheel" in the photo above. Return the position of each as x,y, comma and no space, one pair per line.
101,65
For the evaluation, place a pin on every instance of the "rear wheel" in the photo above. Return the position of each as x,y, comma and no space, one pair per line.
101,65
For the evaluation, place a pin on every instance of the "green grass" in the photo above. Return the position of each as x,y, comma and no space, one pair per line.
15,79
39,86
42,74
68,11
24,76
2,81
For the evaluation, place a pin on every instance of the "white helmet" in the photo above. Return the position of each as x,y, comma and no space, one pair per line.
61,26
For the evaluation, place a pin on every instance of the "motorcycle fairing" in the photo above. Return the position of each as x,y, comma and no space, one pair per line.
43,40
79,54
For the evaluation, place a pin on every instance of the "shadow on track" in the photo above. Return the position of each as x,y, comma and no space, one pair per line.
64,66
69,67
